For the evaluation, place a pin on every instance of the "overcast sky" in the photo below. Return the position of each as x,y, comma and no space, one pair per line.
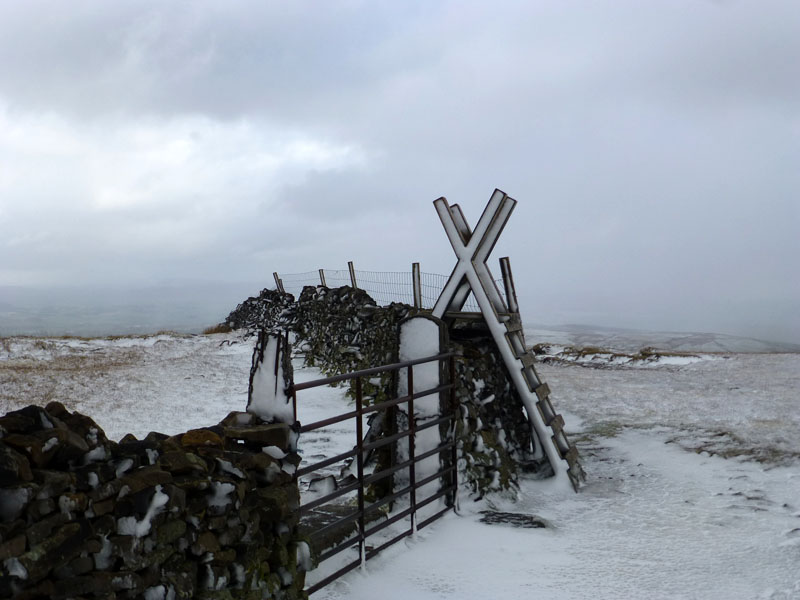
653,147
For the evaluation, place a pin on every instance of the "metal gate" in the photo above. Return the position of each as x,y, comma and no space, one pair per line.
357,525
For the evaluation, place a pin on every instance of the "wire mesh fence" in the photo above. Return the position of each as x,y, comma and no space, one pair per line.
384,287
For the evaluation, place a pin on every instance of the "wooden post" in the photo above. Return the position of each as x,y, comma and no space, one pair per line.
352,274
322,278
508,283
278,283
417,283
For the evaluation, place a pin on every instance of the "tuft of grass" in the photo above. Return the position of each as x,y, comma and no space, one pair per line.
218,328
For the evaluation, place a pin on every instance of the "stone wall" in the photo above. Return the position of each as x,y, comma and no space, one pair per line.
209,513
340,330
264,311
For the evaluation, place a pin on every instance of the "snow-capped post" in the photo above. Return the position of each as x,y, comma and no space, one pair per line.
271,378
422,336
417,283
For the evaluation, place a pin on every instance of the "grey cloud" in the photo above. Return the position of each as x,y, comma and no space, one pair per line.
652,146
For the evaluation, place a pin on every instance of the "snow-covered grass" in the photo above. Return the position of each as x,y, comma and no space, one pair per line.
693,486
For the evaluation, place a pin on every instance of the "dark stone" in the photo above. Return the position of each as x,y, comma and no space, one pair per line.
39,509
70,445
52,483
25,420
73,502
214,571
30,446
38,532
170,531
192,484
231,535
206,542
105,490
12,529
91,476
238,419
104,506
145,477
14,467
82,564
13,501
274,503
492,517
177,498
56,409
182,462
135,504
82,425
201,437
13,547
128,581
256,461
97,584
181,574
276,434
45,589
56,550
138,449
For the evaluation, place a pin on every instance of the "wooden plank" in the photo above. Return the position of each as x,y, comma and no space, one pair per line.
352,270
417,284
556,423
571,456
543,391
514,323
528,360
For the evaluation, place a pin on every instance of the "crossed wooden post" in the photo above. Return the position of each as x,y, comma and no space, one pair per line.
472,248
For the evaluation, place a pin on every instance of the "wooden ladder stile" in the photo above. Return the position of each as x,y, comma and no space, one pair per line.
504,323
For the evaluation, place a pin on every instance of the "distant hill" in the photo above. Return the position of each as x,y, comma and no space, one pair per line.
631,340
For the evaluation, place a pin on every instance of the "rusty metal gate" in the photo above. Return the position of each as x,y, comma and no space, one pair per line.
355,524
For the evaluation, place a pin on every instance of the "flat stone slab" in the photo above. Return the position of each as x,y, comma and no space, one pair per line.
491,517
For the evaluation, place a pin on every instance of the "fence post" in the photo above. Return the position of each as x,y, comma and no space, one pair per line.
451,364
322,278
278,282
417,283
362,544
412,475
508,283
352,274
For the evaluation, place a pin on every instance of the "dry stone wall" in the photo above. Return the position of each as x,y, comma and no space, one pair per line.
343,329
210,513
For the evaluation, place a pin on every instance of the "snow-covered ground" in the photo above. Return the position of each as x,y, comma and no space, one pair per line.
693,469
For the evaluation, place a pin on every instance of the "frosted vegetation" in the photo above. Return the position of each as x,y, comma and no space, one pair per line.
693,467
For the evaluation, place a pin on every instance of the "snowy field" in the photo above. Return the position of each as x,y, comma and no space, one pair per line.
693,469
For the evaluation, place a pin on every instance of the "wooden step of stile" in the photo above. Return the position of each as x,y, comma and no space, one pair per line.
514,323
543,391
557,424
528,360
571,456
